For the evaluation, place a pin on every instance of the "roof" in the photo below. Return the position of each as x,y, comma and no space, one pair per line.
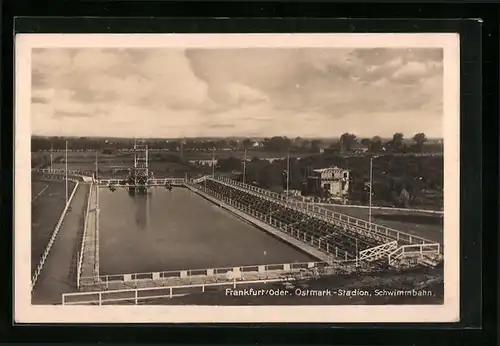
321,170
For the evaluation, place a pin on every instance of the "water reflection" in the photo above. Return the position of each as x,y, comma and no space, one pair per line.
142,208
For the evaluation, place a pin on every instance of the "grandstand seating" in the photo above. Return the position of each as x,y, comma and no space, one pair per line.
269,210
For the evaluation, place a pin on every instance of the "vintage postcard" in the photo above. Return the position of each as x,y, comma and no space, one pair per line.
237,178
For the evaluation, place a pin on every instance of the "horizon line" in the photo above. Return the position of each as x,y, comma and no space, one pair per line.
223,137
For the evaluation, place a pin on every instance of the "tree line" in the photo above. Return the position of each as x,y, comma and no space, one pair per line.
348,142
421,178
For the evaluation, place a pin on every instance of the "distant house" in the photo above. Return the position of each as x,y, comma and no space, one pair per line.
257,144
359,148
333,180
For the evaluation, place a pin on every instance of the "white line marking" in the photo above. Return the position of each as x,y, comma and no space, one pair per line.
39,194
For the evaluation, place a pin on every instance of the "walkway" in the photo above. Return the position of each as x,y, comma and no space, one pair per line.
58,276
89,268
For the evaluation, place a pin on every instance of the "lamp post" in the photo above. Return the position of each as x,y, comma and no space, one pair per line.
51,151
213,163
357,252
371,190
66,170
288,174
244,166
370,198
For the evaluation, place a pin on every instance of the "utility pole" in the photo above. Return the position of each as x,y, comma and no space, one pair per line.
244,166
287,174
357,252
97,185
213,163
66,170
51,151
96,167
370,198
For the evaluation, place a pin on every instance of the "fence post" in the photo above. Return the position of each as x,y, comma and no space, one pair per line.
100,298
78,270
135,296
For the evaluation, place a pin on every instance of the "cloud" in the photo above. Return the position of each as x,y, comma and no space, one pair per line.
175,92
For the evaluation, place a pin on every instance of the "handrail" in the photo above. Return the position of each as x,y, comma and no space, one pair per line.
53,236
378,251
417,249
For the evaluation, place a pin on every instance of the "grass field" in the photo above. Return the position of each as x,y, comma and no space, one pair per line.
174,230
429,226
45,212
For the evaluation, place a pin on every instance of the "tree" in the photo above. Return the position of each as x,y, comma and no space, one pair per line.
247,143
305,145
366,142
278,144
228,165
347,141
315,145
397,141
419,140
376,144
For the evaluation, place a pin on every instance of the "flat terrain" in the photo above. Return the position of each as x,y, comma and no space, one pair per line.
426,225
59,272
173,230
38,188
47,204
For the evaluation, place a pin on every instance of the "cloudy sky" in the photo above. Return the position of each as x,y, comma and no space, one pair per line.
313,92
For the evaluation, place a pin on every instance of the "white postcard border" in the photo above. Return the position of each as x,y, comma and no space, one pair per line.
24,312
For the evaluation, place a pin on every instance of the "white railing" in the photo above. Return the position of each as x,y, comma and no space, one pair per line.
410,210
199,180
377,252
63,171
411,250
191,277
82,246
135,295
352,221
153,182
196,277
53,236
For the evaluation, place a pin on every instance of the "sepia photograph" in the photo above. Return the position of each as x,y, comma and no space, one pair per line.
237,178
